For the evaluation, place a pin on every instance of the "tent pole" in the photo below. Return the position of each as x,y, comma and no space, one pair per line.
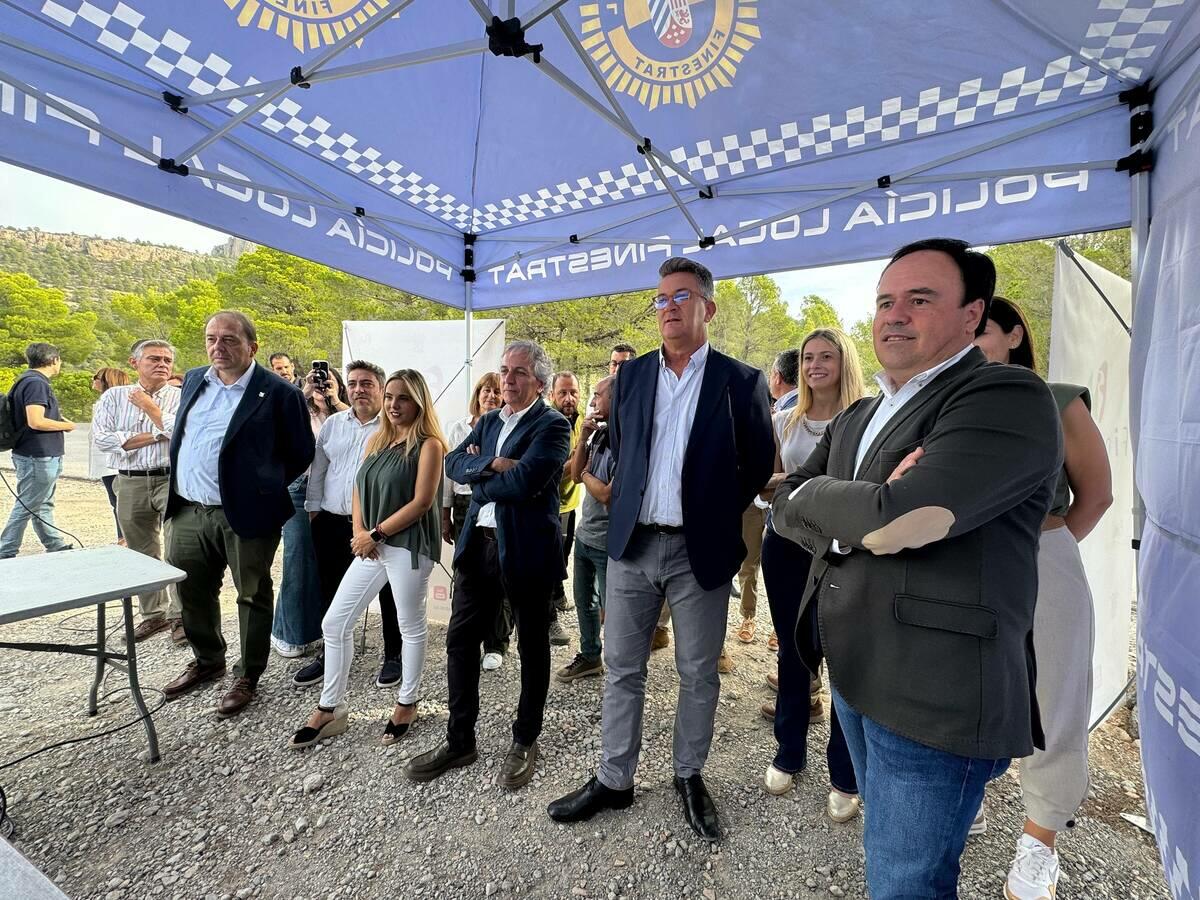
467,321
1139,234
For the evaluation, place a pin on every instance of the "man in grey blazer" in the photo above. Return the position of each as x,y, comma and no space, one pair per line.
922,508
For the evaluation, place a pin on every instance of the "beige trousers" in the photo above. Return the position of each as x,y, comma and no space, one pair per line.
141,502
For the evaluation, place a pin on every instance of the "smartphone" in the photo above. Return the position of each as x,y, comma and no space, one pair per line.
321,369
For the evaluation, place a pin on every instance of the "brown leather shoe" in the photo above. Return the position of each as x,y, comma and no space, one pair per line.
236,698
661,639
148,627
193,677
178,635
773,641
724,663
517,770
768,711
773,681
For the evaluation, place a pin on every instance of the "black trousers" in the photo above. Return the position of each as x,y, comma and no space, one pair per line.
479,589
331,535
502,626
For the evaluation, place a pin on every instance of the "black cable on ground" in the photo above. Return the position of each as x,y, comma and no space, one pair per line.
36,516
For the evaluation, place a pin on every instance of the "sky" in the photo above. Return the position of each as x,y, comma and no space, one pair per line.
29,200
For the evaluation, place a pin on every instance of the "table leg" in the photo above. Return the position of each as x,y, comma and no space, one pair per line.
101,659
134,688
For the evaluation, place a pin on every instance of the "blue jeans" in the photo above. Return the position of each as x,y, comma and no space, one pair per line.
298,609
37,477
918,803
591,571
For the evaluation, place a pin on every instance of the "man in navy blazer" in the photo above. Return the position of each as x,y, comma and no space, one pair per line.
511,545
242,435
692,441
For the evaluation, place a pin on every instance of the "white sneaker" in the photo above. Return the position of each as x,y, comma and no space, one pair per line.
1034,872
979,826
492,661
843,807
286,650
776,781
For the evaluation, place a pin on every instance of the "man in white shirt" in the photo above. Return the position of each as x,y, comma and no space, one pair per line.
340,448
242,435
133,425
922,509
691,439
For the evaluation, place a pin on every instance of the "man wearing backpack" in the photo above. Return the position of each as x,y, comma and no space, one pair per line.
37,427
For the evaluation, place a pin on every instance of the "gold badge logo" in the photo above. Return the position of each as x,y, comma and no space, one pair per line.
669,51
307,23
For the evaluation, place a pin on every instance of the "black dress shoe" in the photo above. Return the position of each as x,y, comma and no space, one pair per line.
698,807
519,764
581,805
442,759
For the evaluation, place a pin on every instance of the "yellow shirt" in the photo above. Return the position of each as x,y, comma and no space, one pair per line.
570,492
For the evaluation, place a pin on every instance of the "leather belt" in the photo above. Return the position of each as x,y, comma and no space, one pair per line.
488,533
144,473
660,529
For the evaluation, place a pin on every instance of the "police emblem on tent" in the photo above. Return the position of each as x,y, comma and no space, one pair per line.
669,51
306,23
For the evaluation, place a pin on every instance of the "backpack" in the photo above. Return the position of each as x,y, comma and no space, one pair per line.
8,422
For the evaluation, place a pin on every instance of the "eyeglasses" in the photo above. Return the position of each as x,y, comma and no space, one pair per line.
662,301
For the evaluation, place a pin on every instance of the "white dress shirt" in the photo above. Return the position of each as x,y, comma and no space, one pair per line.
115,420
787,401
675,402
455,435
895,399
487,512
341,445
197,476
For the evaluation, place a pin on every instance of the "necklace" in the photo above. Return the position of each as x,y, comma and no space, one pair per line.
815,432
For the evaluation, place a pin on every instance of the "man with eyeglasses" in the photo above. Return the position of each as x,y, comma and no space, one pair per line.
133,425
692,444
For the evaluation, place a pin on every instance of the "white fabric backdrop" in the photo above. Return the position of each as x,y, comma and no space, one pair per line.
1088,346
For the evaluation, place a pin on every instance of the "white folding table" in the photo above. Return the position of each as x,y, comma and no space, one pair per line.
47,583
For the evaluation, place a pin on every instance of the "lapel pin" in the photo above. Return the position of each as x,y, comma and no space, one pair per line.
262,393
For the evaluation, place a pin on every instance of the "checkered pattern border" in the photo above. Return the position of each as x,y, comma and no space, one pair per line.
1126,34
120,30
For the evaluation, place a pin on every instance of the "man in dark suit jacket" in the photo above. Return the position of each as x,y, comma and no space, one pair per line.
242,435
922,508
692,441
511,544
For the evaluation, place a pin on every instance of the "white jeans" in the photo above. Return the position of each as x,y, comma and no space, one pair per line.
362,581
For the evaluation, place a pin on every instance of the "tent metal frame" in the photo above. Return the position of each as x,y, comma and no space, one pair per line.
606,108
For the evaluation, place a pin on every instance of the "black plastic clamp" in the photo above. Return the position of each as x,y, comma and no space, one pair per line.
707,193
360,212
1137,162
468,275
298,79
175,101
574,239
883,181
1138,95
707,242
506,37
169,165
644,147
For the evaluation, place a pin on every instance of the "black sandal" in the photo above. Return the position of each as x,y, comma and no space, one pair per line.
307,736
392,732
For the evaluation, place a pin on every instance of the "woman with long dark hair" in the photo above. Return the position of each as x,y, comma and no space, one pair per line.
830,380
1054,781
397,537
98,466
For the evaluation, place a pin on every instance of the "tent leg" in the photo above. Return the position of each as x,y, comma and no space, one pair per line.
1139,186
467,320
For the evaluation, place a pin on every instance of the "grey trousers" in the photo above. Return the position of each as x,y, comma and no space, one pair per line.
655,567
141,502
1054,781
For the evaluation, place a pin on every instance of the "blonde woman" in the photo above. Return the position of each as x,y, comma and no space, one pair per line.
830,380
397,535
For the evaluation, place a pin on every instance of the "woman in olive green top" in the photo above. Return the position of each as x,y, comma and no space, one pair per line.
397,537
1054,781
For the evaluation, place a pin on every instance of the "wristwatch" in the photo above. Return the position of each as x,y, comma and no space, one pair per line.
377,535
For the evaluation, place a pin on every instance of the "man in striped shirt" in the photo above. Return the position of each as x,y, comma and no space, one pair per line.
133,425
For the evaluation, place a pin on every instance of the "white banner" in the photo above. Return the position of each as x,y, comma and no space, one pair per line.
1090,347
436,350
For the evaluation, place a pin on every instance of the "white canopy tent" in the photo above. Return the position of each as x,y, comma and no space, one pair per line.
483,155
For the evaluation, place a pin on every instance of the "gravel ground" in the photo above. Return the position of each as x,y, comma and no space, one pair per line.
231,813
